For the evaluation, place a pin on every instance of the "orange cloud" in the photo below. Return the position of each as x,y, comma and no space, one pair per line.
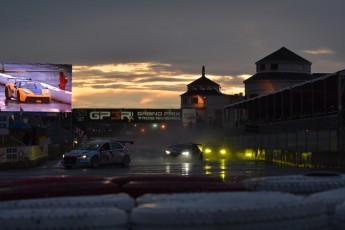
319,51
138,85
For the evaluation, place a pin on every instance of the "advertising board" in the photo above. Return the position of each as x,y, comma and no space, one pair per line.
30,87
127,115
25,153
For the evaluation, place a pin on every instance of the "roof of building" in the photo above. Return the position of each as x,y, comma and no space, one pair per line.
212,92
204,81
280,76
283,55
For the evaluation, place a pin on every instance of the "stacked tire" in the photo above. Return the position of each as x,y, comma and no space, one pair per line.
227,210
85,212
334,202
297,184
56,186
137,186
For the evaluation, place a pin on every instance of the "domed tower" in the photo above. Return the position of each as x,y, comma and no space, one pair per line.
204,102
278,70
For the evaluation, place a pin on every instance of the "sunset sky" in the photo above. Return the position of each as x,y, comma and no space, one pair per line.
143,53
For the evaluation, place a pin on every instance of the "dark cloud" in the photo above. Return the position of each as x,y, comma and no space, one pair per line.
228,37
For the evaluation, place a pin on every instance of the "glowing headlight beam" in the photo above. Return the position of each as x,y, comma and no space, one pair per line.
208,150
185,153
83,156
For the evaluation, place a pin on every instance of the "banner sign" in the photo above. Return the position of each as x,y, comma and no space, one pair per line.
127,115
26,153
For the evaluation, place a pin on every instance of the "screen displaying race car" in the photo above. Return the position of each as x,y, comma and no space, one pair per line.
35,87
26,90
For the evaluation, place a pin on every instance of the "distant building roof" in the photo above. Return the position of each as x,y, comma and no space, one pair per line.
283,55
280,76
203,81
203,93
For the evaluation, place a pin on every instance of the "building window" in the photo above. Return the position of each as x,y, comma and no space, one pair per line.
274,66
194,100
262,67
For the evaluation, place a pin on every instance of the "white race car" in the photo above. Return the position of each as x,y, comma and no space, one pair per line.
98,152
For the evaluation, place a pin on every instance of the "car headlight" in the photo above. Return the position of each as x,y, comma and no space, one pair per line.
167,152
185,153
208,150
222,151
83,156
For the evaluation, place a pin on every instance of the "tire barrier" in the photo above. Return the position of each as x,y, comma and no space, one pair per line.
339,217
121,201
58,189
64,218
228,210
298,184
51,179
136,186
170,202
121,180
139,188
331,199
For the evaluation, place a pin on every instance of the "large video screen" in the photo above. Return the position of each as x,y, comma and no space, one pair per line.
30,87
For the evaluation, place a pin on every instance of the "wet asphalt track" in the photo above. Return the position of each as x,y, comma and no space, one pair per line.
153,162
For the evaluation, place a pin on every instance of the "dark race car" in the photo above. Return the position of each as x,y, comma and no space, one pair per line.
184,151
213,150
